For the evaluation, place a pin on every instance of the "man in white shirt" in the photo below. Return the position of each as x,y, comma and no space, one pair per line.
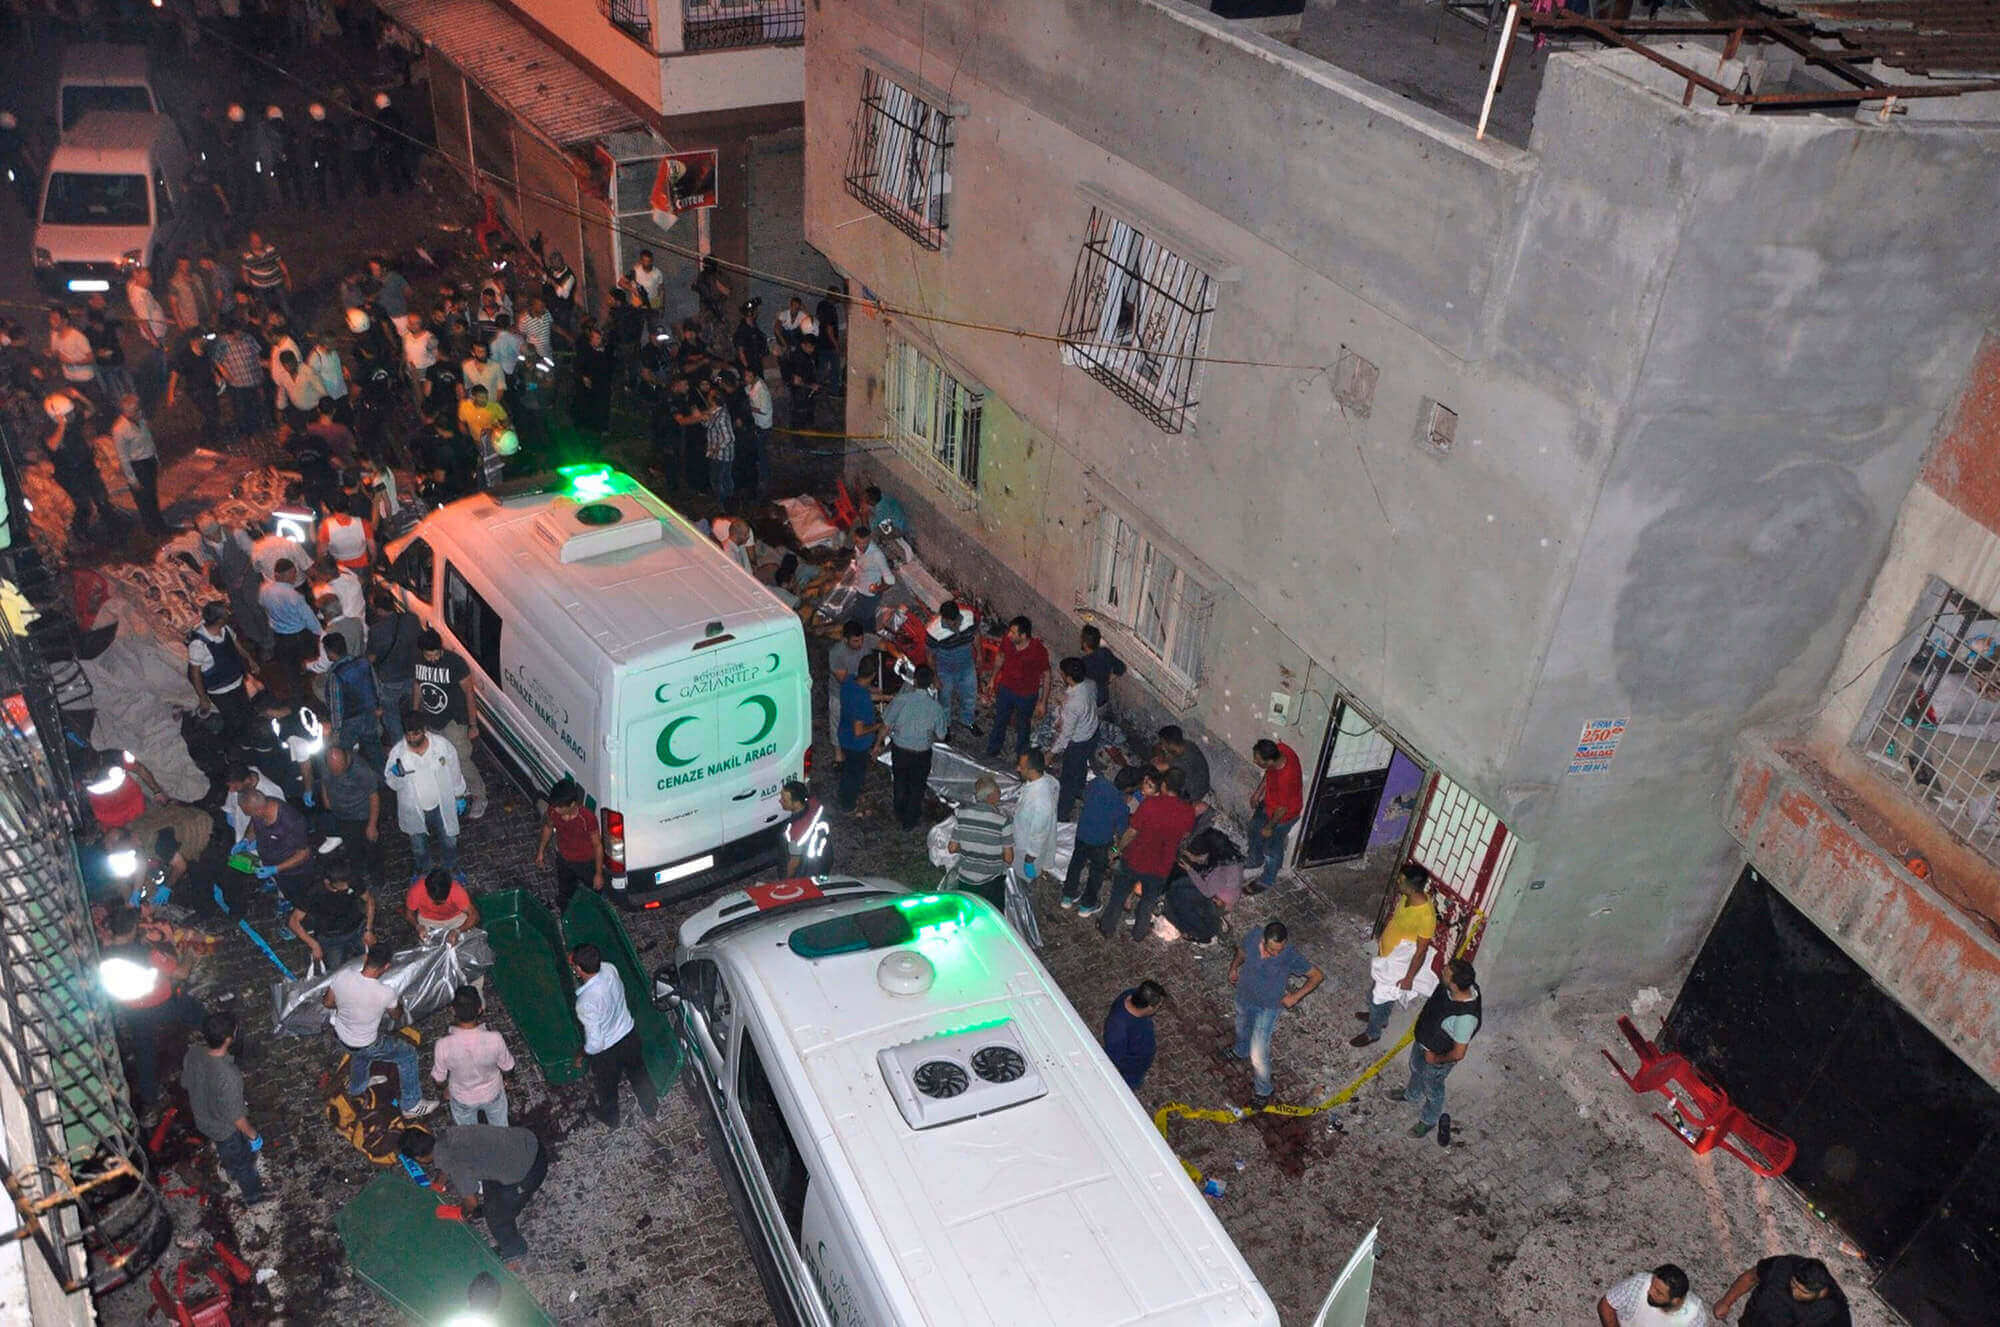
652,283
139,461
1034,814
69,346
1076,734
871,577
420,351
359,997
757,393
795,324
429,785
324,361
479,370
1659,1298
610,1037
241,779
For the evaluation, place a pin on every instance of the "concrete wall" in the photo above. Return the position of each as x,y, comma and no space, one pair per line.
616,57
1804,343
690,84
1695,361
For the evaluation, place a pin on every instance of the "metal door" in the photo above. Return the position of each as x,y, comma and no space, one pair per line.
1355,768
1466,848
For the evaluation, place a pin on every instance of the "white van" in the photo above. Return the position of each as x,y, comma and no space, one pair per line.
111,202
924,1132
613,642
97,76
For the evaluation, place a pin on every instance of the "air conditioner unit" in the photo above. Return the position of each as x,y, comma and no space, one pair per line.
573,530
958,1075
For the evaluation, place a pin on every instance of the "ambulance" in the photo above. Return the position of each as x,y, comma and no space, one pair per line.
917,1128
612,642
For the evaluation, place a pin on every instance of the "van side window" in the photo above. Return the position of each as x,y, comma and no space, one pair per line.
784,1165
414,568
702,983
472,620
163,203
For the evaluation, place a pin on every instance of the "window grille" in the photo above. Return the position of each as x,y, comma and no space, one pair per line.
1138,587
632,17
1137,320
1934,726
933,417
901,159
1354,382
715,25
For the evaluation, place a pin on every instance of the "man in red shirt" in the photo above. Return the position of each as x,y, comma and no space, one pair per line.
1147,850
579,849
1280,800
1017,686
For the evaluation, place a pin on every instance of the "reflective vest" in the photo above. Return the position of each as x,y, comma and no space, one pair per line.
806,835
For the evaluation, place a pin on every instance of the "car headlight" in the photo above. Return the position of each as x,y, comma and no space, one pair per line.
43,258
131,257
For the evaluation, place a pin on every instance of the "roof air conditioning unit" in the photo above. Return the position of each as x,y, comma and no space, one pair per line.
957,1075
575,530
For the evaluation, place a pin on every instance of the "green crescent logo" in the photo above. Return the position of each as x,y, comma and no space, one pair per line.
772,667
770,708
665,747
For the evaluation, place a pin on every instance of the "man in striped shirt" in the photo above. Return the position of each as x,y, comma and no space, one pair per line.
264,271
984,842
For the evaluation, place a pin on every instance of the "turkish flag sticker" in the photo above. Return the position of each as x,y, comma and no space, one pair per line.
780,893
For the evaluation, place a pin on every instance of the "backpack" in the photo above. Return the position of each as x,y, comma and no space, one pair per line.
370,1121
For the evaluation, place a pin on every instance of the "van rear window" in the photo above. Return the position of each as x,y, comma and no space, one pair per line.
886,927
96,200
81,99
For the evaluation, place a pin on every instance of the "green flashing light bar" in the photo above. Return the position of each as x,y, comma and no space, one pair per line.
584,481
918,918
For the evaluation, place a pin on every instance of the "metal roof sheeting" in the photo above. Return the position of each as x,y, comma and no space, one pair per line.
515,67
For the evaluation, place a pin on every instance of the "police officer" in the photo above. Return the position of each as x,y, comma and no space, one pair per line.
281,744
805,832
238,169
322,154
358,139
220,669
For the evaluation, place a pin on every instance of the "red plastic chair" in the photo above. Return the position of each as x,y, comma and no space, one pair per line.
1703,1116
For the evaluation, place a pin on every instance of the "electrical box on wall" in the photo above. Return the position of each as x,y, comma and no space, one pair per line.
1281,707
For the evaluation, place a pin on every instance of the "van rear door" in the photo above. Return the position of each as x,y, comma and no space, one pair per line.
707,743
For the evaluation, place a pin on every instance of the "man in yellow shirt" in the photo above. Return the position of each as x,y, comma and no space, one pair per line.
1402,956
479,417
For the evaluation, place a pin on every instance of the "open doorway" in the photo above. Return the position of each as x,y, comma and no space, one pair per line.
1366,792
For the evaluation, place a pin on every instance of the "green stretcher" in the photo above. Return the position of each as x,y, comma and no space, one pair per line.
420,1264
591,920
532,974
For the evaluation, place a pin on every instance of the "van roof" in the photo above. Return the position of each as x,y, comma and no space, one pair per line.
105,63
1063,1207
111,141
634,603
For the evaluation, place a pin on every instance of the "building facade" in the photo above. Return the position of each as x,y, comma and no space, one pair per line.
565,111
1542,467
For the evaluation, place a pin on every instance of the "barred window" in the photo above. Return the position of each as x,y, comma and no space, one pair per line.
933,417
900,165
1137,320
714,25
634,18
1141,588
1933,726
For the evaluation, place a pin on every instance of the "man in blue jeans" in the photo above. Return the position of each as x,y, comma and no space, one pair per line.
1263,968
951,637
1280,800
859,731
359,997
1017,686
1446,1027
215,1094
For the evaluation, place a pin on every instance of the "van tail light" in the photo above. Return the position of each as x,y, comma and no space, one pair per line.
614,840
809,760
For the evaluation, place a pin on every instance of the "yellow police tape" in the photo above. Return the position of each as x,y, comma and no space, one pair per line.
1180,1110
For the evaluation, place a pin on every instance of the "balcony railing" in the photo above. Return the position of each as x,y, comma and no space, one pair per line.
720,25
